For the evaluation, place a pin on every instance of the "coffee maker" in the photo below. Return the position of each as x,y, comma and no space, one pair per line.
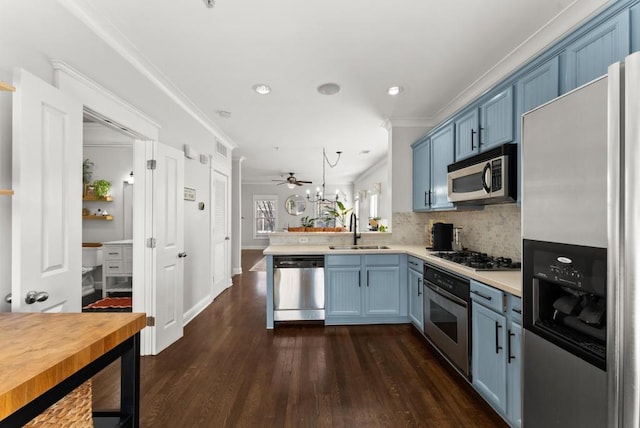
442,235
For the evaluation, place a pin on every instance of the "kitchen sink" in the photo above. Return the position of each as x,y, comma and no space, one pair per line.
359,247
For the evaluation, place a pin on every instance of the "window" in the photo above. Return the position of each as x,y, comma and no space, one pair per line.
264,215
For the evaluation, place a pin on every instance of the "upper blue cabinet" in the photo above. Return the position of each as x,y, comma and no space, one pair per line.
467,126
431,156
422,175
537,87
589,57
485,126
441,157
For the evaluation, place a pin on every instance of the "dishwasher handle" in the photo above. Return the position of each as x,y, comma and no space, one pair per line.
298,262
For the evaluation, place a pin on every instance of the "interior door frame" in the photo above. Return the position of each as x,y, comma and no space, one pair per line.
103,103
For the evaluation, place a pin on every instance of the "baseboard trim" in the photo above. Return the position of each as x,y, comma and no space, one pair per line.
236,271
196,309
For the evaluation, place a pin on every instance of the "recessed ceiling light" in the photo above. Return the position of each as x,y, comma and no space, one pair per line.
224,114
261,88
395,90
329,88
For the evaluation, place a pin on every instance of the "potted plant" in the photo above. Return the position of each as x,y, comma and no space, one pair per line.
340,212
309,224
101,188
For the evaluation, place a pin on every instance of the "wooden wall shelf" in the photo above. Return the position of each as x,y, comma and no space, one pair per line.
98,217
7,87
6,192
95,198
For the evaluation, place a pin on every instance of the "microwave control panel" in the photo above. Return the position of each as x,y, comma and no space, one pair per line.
496,175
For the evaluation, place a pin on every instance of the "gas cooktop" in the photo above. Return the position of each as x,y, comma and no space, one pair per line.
478,261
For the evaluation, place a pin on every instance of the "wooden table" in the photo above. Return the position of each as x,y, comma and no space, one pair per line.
43,357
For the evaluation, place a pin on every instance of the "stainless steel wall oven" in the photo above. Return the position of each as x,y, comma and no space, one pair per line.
446,315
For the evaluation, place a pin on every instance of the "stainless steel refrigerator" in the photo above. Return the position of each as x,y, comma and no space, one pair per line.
580,207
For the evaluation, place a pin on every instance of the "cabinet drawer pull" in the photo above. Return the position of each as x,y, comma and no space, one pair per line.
517,311
498,347
367,278
114,267
114,254
477,293
509,356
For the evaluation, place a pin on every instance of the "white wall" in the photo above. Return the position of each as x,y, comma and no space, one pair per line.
375,179
112,155
197,224
284,219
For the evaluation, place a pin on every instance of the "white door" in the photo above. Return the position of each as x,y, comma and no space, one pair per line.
46,208
168,220
221,233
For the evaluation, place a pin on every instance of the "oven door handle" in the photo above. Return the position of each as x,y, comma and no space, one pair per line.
445,294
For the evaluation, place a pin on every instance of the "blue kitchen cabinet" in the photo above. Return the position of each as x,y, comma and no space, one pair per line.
485,126
442,143
414,291
514,364
467,126
537,87
589,57
382,290
634,16
488,355
496,120
421,175
365,289
343,292
343,286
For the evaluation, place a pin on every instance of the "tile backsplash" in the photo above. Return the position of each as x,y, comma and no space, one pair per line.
495,230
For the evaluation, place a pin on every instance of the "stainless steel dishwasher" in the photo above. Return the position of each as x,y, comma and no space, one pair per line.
298,288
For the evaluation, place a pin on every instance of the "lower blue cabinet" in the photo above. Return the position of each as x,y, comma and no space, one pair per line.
365,289
496,349
489,360
414,291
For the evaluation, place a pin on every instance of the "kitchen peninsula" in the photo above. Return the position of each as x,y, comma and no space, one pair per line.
47,355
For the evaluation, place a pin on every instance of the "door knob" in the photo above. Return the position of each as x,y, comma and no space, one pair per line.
226,238
182,255
8,298
36,296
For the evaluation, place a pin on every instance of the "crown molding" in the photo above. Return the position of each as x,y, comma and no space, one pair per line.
105,30
568,19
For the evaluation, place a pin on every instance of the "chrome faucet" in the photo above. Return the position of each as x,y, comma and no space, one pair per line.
353,221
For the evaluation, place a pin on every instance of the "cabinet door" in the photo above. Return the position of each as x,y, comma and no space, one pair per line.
382,292
514,343
538,86
441,156
589,57
421,176
414,288
467,135
488,363
496,120
344,292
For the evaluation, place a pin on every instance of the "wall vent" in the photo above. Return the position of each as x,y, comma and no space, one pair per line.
221,149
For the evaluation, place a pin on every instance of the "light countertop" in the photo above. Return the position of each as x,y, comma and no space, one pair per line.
508,281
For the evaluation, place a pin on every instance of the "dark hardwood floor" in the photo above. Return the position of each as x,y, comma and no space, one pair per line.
229,371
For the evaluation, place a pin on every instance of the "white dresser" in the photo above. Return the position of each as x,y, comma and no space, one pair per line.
117,267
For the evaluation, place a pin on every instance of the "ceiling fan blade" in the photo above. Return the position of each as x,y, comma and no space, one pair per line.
305,182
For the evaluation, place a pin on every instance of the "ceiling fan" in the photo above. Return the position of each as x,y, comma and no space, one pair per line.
291,181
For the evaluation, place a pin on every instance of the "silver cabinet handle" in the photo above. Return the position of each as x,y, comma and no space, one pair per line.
35,296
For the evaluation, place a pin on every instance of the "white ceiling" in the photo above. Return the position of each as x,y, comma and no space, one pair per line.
442,52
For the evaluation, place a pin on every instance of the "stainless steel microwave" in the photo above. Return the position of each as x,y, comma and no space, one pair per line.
487,178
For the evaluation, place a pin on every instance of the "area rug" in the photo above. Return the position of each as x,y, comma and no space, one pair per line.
260,266
110,304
